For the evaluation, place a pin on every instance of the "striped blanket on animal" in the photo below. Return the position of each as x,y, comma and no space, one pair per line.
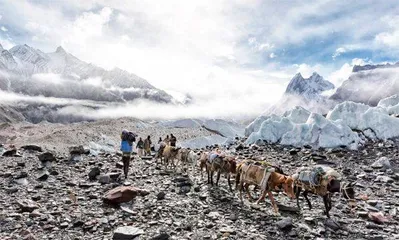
266,175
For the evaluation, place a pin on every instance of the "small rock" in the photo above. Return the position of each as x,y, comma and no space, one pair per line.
127,233
162,236
119,165
332,224
21,175
202,197
285,224
227,230
378,217
384,179
43,175
123,194
362,214
383,162
64,225
94,172
27,205
104,179
161,196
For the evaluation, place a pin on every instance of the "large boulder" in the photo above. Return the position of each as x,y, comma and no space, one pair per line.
46,157
123,194
32,148
76,150
10,153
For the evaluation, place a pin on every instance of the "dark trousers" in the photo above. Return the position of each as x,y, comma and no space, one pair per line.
126,162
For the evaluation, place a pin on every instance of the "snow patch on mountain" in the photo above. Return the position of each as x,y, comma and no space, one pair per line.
305,92
369,85
68,77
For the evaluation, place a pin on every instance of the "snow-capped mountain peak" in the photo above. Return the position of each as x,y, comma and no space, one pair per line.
23,62
308,87
60,50
305,92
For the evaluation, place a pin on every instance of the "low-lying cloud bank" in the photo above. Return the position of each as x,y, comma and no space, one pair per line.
238,109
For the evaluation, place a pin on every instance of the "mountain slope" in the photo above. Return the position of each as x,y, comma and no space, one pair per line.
305,92
369,84
60,74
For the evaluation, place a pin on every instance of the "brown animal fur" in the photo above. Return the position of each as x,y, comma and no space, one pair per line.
253,175
226,165
203,159
170,154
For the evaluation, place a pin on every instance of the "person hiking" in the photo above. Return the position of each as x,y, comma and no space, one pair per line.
140,147
173,140
147,146
160,140
127,140
167,140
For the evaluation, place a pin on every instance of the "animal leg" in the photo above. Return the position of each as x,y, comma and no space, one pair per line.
228,181
208,173
273,202
248,193
305,194
211,177
326,205
297,193
217,178
240,189
262,197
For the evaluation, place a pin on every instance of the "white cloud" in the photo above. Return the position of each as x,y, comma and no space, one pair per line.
307,70
4,29
338,52
7,43
213,50
390,38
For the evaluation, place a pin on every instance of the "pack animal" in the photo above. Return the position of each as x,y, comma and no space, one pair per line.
221,165
254,162
267,179
324,184
170,154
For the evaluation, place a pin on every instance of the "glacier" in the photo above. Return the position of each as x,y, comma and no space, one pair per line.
346,125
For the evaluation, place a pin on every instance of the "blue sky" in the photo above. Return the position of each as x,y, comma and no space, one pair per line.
182,46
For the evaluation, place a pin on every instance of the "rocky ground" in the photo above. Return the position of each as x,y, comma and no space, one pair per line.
58,137
54,198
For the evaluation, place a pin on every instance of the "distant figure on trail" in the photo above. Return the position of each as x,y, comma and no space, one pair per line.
127,140
140,147
147,146
160,140
167,140
173,140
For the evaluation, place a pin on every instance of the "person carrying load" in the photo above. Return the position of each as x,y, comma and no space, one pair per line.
127,140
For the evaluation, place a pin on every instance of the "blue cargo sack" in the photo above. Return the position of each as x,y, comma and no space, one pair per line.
126,147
